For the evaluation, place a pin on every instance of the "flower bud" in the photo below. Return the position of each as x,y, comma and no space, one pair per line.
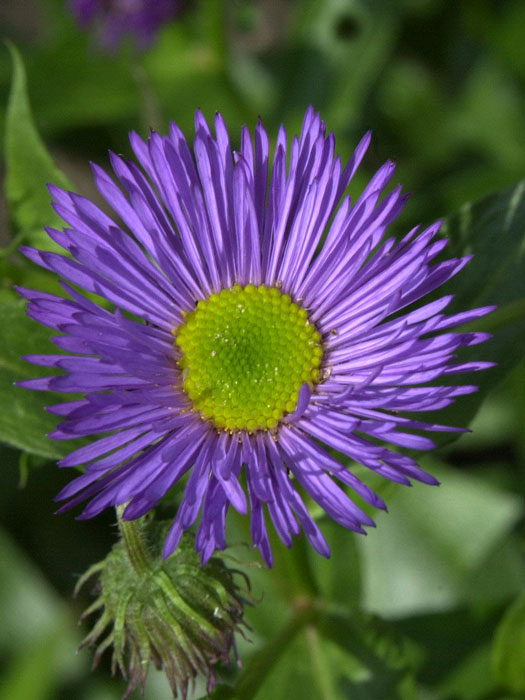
175,612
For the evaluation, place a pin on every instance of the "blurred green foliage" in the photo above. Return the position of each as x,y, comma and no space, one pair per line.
430,605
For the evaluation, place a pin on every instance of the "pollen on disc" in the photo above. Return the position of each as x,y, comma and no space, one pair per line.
245,353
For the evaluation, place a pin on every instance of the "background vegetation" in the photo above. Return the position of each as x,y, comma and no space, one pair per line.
430,605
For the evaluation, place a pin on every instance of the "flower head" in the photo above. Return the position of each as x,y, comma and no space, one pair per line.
119,18
261,324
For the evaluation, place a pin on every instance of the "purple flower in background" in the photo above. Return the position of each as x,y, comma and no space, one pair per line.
261,323
119,18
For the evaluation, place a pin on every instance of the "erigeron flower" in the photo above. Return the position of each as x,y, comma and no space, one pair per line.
262,324
116,19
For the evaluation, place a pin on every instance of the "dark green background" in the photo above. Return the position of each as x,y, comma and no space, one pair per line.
415,609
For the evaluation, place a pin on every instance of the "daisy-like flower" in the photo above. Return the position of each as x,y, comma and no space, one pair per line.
261,321
119,18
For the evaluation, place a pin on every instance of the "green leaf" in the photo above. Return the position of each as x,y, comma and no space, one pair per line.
338,578
33,674
29,605
24,422
309,668
327,657
493,229
29,165
377,661
508,653
38,636
472,677
455,648
428,549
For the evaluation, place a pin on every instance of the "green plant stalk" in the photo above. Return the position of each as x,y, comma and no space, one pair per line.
136,548
258,668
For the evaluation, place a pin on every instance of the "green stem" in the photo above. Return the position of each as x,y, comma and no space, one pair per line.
136,548
214,31
13,245
322,674
150,108
213,28
257,669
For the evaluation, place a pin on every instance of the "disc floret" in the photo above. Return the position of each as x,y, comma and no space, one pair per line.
245,354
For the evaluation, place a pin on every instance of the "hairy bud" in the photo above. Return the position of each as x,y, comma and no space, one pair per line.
175,612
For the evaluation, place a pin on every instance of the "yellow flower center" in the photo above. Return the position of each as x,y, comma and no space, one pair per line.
245,353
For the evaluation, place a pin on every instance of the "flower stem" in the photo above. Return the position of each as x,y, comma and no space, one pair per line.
136,548
150,107
258,667
321,671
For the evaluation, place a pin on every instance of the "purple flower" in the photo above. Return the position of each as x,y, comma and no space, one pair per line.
260,324
118,18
